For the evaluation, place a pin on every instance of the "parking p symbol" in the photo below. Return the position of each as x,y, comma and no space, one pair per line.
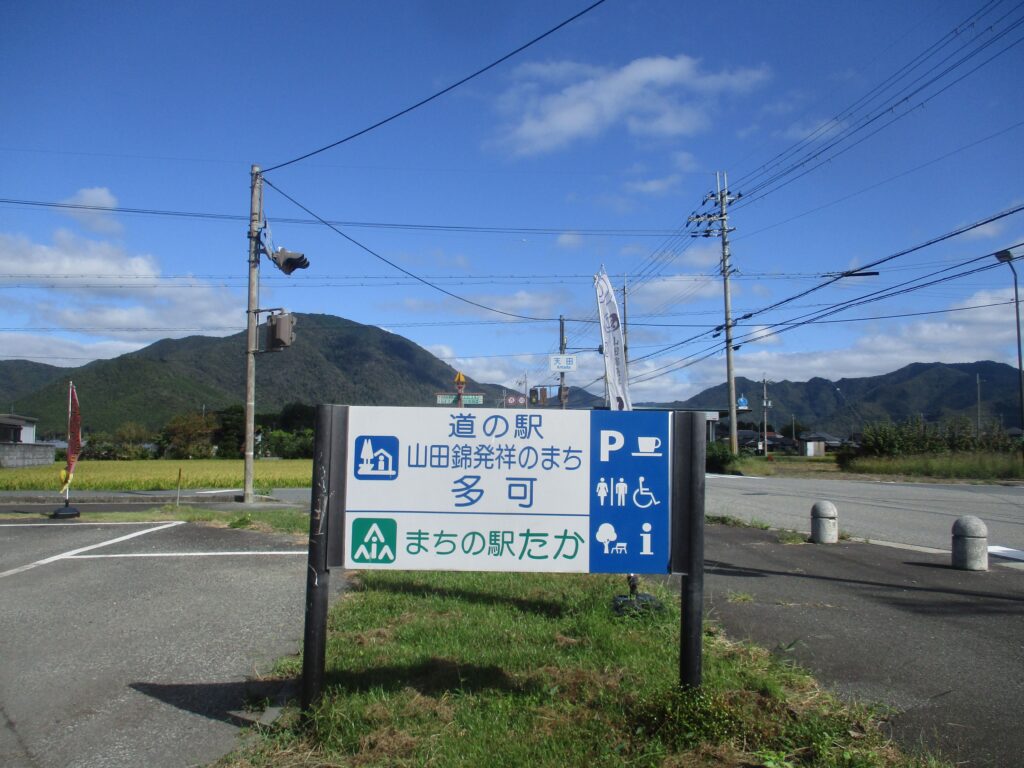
611,440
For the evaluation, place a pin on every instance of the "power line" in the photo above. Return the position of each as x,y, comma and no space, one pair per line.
818,317
403,270
841,305
457,228
823,128
824,131
440,93
898,254
881,183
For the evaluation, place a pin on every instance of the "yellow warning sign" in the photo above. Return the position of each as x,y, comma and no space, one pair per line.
460,378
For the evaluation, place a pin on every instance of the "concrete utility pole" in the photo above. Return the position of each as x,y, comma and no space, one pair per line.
977,377
721,219
251,345
764,412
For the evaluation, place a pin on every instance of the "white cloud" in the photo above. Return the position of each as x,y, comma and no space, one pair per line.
661,294
654,186
102,301
570,240
657,95
703,254
556,71
977,334
685,161
442,351
986,231
816,130
102,222
72,261
63,352
523,302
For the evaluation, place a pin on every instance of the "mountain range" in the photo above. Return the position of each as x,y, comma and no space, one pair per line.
334,360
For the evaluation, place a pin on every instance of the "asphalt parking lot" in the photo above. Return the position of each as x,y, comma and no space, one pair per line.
139,643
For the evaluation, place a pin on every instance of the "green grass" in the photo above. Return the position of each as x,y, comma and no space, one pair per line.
160,475
445,669
787,536
965,466
739,597
736,522
280,520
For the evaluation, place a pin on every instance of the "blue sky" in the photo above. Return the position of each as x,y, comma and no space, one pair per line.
590,148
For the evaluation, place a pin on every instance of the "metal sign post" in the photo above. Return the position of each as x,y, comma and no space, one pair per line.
326,541
688,456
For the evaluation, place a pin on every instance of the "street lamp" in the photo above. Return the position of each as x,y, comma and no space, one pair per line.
1007,258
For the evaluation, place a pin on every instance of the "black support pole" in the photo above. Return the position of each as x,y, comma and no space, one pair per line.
688,455
326,532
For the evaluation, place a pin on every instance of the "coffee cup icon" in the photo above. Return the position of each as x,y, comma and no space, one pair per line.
648,445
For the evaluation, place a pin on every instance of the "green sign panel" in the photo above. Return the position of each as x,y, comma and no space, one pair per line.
450,399
374,540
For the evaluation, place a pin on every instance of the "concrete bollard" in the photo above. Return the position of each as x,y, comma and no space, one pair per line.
970,544
824,523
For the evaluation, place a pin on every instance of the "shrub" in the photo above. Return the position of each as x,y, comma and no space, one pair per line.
719,458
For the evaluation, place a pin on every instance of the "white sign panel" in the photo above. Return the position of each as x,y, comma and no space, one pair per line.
499,490
562,363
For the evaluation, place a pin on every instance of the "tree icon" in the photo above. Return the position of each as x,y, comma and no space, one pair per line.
606,535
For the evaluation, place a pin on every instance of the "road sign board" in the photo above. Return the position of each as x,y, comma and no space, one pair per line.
501,490
447,398
561,363
493,490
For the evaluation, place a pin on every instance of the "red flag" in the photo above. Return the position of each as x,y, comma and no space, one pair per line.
74,435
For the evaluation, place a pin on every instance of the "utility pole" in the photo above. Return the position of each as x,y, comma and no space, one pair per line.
255,223
625,332
721,219
563,394
977,377
764,412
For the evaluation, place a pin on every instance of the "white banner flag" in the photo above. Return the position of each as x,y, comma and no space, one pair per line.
614,348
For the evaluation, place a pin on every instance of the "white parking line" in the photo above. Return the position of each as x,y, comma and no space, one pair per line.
51,525
74,552
1009,554
189,554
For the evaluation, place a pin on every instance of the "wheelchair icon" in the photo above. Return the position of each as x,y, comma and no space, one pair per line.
644,497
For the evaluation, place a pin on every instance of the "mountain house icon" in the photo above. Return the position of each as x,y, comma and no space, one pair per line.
374,540
378,457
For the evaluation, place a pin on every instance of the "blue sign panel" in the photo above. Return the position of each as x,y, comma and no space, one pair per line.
376,457
629,494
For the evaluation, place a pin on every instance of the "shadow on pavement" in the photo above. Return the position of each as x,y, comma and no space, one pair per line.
728,569
222,701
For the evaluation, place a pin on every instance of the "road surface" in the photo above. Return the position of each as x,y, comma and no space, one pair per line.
136,643
921,514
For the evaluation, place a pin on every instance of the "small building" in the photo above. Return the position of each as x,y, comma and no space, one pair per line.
18,446
819,443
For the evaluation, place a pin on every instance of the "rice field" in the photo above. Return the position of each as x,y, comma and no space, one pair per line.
160,475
